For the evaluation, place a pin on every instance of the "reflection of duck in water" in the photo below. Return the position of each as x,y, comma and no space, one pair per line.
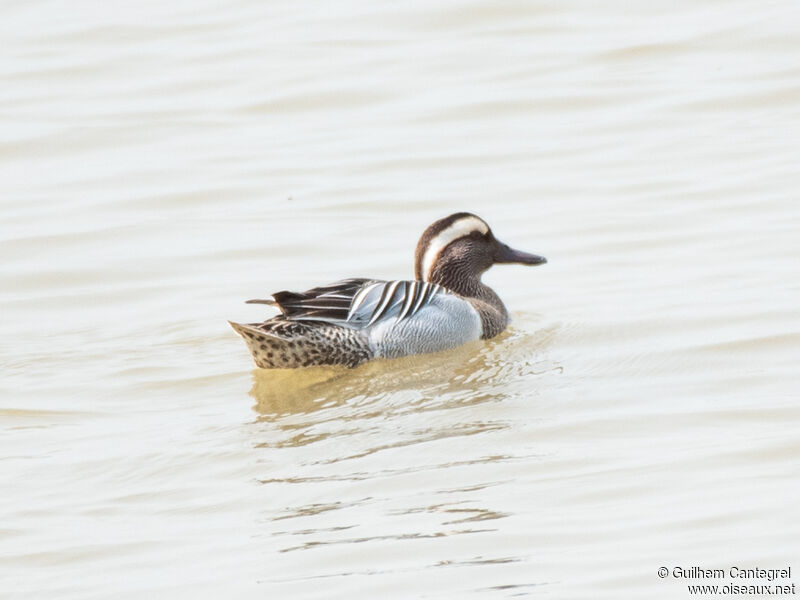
281,391
352,321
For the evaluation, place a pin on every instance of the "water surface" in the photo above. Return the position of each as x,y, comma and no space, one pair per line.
163,162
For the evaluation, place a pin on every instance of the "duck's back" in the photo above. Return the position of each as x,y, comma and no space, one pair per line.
401,317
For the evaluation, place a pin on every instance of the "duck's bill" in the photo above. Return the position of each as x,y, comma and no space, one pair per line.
506,254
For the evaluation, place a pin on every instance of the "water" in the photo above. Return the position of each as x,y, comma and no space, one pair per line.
162,162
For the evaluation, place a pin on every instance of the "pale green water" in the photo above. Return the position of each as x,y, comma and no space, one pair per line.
164,162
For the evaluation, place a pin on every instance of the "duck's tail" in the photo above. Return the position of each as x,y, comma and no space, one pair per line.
285,344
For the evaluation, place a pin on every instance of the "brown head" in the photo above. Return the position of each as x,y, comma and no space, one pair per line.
455,251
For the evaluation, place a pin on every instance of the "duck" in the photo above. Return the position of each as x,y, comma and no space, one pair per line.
355,320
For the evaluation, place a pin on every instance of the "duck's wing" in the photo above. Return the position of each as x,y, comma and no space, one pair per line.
356,303
387,299
324,303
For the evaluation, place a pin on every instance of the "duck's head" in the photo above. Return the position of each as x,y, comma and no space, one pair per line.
460,248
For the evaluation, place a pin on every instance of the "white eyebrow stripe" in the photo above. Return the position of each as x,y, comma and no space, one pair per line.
460,228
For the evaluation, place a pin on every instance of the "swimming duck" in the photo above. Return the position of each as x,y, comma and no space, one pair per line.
354,320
